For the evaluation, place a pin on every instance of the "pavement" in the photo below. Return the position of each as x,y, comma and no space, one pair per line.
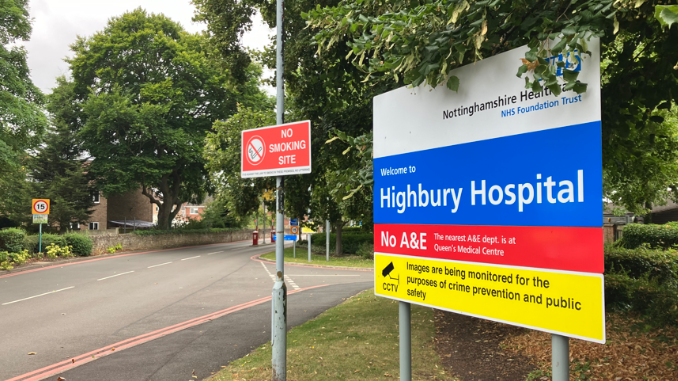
164,315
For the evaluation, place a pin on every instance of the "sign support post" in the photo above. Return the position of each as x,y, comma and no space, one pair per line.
560,357
404,327
279,344
309,247
327,239
40,239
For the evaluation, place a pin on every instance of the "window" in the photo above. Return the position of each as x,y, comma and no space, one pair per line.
75,225
96,197
93,226
194,210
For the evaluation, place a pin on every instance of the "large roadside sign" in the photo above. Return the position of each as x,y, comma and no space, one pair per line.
277,150
487,201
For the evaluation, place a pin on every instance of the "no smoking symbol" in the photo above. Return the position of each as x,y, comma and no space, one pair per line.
255,150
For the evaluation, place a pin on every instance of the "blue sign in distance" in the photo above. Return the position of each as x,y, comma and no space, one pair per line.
294,222
288,237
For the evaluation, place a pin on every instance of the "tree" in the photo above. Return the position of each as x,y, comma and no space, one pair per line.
223,155
149,92
419,42
326,90
58,169
22,122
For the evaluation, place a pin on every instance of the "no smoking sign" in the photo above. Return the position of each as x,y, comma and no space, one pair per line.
277,150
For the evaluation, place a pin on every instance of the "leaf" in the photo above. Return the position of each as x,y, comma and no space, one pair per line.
536,87
579,87
32,353
639,3
570,75
453,83
555,88
521,70
667,15
557,48
484,28
331,140
657,119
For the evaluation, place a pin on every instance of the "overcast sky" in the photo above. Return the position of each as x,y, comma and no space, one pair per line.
56,23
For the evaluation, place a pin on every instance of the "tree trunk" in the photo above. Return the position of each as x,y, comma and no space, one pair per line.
338,228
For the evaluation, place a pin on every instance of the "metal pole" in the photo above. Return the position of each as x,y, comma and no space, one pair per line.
40,239
327,240
405,341
279,341
294,249
309,247
264,204
560,358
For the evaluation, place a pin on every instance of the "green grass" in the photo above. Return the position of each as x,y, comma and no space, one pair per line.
357,340
321,260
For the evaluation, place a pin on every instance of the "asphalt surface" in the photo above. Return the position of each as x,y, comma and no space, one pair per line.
154,316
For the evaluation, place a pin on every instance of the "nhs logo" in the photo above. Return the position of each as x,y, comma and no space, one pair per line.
574,66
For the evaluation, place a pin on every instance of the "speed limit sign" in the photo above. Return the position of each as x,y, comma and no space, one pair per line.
40,206
295,229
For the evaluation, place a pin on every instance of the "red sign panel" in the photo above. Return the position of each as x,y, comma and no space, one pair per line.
277,150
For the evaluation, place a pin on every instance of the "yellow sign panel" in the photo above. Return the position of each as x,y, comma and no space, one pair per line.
40,206
566,303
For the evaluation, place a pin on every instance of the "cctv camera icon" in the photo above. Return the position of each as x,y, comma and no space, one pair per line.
386,272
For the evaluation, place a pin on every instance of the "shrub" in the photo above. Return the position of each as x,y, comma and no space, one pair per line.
81,244
12,240
642,280
31,242
366,250
642,262
8,259
5,263
54,251
350,243
656,236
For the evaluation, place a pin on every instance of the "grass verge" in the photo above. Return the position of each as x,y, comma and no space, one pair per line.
357,340
321,260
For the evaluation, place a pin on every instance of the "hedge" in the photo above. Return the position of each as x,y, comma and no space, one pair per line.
656,236
644,281
12,240
637,263
184,231
350,243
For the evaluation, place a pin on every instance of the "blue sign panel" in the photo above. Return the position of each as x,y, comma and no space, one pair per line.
294,222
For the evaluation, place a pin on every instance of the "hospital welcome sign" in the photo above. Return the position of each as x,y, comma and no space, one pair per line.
488,201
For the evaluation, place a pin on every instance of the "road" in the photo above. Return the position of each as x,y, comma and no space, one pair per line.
153,316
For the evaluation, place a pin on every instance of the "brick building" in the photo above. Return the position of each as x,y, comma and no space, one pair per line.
129,206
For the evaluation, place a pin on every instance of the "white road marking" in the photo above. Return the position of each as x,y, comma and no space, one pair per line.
162,264
113,276
47,293
216,252
269,273
291,282
186,259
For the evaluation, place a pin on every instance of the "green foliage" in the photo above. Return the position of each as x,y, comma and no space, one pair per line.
365,250
644,281
655,236
184,231
667,15
31,242
80,244
7,260
57,168
22,122
145,125
12,240
350,243
413,43
222,152
111,250
659,265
